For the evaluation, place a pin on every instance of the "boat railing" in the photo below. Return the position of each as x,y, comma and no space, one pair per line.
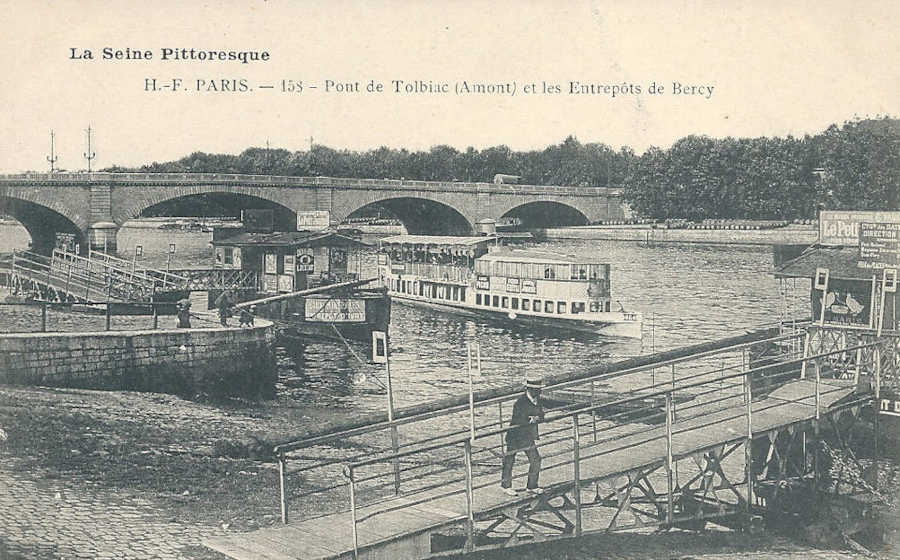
439,272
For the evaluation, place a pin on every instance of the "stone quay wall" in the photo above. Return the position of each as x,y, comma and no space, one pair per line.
220,361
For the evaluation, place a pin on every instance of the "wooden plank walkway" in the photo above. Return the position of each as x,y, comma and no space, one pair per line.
405,532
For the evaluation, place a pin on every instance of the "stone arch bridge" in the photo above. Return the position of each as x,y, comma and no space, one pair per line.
94,205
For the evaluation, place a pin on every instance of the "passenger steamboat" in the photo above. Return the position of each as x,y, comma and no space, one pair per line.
477,276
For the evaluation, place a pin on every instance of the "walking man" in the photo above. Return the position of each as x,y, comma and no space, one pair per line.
224,303
523,431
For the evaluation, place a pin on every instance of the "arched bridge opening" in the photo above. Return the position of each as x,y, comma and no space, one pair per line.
221,205
42,224
543,214
420,216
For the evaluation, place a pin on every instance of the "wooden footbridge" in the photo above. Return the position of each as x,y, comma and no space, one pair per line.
708,435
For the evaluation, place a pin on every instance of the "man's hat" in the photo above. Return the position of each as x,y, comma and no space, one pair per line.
533,382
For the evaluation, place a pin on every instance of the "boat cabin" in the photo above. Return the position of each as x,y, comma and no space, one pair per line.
292,260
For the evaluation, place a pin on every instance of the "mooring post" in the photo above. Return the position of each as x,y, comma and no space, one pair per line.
350,475
670,486
470,503
282,467
576,457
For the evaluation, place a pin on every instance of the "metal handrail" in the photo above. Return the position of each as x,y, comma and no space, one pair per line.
598,407
318,440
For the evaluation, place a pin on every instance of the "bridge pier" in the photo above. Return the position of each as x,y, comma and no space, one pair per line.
102,236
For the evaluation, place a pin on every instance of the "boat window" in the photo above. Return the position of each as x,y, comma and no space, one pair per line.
607,306
526,304
561,307
496,301
504,303
477,299
548,307
595,307
549,272
515,303
462,294
456,293
537,305
577,307
582,272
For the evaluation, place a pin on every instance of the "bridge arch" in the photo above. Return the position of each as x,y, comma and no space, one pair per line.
232,199
422,216
42,222
546,213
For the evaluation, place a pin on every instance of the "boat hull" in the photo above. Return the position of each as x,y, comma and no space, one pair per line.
615,326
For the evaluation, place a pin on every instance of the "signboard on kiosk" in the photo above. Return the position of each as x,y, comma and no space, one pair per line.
879,245
313,220
335,310
841,227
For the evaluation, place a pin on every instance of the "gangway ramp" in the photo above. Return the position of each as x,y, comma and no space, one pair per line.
679,463
65,276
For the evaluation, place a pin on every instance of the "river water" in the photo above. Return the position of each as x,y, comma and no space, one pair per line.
689,293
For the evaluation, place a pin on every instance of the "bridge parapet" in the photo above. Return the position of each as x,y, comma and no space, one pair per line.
126,179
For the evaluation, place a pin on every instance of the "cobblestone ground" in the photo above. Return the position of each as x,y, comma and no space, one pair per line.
51,519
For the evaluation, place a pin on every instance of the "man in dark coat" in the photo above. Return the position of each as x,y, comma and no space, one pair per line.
224,303
184,313
523,432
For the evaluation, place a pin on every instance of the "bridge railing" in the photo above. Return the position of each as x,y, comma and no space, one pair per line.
664,418
444,423
280,180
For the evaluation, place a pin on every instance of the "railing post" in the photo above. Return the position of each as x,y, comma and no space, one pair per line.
108,316
282,467
43,316
806,341
155,316
500,423
351,476
68,278
576,457
471,391
816,460
470,505
593,413
670,486
395,443
748,445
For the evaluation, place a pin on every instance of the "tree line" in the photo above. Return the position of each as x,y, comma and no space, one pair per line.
852,166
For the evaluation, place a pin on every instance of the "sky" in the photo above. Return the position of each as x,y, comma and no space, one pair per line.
767,68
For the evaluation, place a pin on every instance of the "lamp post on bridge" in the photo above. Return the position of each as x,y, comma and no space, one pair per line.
52,158
89,155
